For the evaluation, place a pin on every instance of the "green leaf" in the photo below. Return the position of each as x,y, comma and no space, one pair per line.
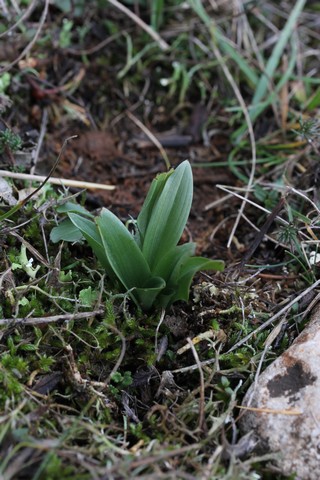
66,231
70,207
146,296
90,232
169,215
170,263
87,297
169,268
5,81
181,267
189,269
123,253
314,101
152,198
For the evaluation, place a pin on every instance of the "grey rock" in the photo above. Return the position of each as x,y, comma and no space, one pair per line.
286,397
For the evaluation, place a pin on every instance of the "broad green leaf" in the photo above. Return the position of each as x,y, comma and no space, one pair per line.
66,231
152,198
88,297
70,207
189,269
123,253
169,267
183,268
90,232
165,297
169,215
171,262
146,296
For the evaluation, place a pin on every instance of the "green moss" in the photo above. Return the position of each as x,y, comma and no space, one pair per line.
45,363
55,469
9,140
13,370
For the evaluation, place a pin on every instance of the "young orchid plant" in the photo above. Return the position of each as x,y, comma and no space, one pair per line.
149,263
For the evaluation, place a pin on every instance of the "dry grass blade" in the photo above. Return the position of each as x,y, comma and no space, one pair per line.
23,202
162,44
274,317
269,410
151,136
50,319
264,229
57,181
202,388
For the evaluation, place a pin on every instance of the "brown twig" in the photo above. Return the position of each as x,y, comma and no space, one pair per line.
156,37
122,353
51,319
151,136
202,388
34,192
56,181
263,230
274,317
95,48
43,129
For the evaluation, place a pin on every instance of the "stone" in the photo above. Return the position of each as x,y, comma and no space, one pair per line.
284,406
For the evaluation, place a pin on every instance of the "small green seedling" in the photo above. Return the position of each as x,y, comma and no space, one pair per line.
148,263
26,264
9,140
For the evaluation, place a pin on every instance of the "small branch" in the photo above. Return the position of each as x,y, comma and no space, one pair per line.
52,319
40,141
22,202
122,353
202,387
151,136
156,37
57,181
263,231
274,317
